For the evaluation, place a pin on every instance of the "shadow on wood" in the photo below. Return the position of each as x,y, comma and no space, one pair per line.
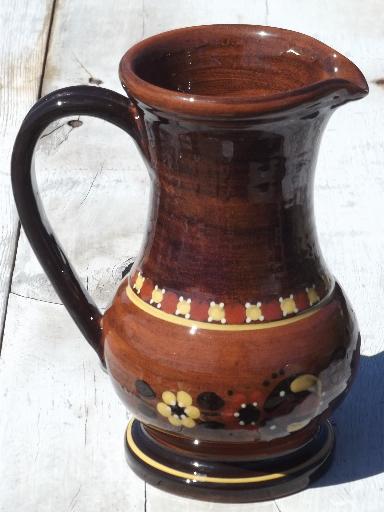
359,426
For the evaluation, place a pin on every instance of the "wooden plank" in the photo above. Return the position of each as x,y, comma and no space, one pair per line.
63,432
24,28
62,426
92,173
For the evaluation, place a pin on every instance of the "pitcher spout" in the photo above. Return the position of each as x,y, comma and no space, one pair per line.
343,80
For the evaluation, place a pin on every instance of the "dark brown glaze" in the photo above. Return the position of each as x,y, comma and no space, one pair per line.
233,207
230,339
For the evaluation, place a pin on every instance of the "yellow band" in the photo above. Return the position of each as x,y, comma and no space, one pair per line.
194,477
167,317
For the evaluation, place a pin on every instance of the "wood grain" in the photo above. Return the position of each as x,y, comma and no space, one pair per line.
68,467
24,28
93,182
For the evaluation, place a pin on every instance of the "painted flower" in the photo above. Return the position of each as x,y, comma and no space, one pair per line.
157,296
216,312
291,405
253,312
287,394
313,296
183,307
139,283
288,305
178,409
244,410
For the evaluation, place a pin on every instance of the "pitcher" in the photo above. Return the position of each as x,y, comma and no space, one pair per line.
229,341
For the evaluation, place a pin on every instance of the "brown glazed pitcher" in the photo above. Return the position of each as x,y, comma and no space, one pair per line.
230,341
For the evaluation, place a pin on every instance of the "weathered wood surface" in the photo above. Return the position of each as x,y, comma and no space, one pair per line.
24,28
61,424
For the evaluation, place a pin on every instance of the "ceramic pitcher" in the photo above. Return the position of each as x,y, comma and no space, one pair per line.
230,341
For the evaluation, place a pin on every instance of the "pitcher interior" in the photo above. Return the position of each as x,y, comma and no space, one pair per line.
246,62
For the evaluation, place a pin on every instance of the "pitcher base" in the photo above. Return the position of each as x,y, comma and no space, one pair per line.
230,481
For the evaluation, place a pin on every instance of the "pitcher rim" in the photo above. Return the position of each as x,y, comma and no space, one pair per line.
346,78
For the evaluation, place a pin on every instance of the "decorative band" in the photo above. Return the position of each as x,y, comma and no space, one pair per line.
250,313
194,325
193,477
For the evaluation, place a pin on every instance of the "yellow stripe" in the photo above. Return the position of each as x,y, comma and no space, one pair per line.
167,317
193,477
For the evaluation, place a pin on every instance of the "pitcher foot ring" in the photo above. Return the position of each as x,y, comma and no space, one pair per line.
232,481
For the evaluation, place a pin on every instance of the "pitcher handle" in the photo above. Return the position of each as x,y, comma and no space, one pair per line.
78,100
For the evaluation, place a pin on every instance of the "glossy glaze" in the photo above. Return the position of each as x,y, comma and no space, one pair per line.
229,480
233,367
229,333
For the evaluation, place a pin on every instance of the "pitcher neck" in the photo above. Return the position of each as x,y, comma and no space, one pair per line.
231,213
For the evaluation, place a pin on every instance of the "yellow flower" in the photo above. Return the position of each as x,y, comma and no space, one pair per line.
184,307
157,296
288,305
253,312
306,382
139,282
313,296
216,312
178,409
